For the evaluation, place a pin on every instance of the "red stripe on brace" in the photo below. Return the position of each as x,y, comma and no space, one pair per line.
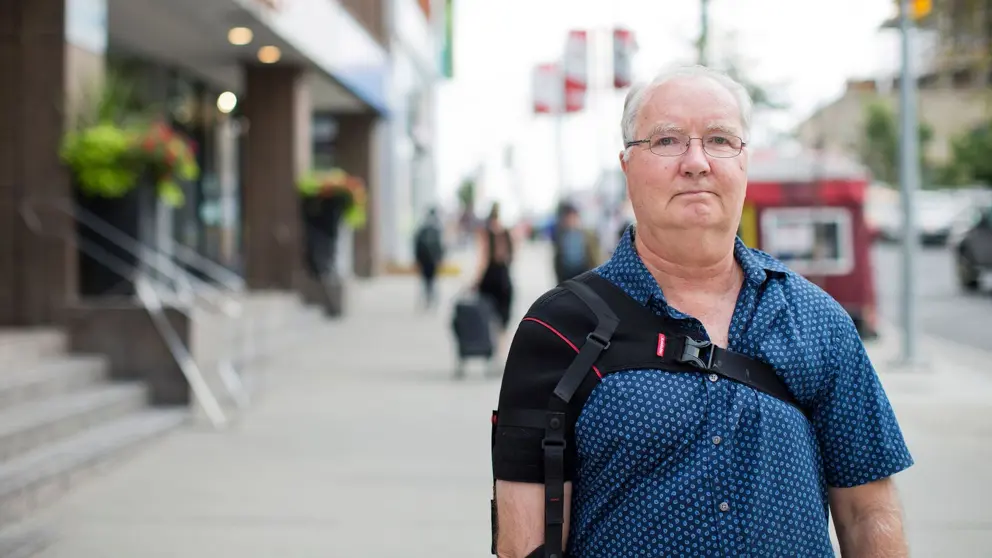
563,338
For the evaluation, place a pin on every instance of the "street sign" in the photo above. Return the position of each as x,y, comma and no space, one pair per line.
547,89
576,72
623,52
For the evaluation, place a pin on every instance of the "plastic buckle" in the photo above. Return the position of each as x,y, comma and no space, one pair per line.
604,343
699,353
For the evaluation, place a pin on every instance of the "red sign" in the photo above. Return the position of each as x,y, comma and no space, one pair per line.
576,70
624,48
547,89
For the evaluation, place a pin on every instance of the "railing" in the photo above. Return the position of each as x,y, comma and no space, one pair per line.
185,287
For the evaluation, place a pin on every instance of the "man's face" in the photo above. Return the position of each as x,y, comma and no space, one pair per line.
693,191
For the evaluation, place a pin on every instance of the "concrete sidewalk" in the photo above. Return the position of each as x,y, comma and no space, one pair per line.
945,410
364,445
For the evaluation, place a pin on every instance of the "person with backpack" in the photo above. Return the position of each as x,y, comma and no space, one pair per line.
575,248
691,396
429,253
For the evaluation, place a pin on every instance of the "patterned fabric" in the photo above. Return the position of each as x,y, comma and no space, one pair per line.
680,464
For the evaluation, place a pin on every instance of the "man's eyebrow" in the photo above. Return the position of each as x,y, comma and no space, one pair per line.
722,128
667,128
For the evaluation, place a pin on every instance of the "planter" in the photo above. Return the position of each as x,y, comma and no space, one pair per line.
322,218
105,268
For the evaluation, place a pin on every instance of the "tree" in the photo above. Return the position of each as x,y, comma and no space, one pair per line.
880,144
970,161
466,194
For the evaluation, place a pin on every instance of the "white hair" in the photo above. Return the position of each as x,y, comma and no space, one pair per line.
638,93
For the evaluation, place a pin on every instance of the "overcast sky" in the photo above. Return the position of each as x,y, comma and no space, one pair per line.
801,50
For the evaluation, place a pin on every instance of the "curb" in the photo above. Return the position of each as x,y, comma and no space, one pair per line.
394,269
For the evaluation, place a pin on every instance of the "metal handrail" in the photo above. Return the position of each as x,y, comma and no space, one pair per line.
152,302
232,281
201,390
142,251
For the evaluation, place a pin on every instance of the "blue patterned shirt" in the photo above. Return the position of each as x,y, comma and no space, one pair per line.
676,464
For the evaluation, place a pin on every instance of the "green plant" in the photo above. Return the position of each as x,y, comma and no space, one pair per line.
880,143
113,142
102,159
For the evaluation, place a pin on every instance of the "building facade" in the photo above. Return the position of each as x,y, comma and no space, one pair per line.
410,187
247,80
952,55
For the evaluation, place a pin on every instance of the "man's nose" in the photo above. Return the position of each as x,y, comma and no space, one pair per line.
694,161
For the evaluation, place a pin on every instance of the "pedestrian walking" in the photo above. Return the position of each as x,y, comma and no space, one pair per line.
429,253
576,248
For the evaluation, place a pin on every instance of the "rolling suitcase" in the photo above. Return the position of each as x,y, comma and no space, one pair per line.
472,324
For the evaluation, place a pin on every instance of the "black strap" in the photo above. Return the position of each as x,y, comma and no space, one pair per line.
683,352
553,444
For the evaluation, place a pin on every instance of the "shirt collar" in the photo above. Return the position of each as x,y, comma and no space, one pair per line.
627,270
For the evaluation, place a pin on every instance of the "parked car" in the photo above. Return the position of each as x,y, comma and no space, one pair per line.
971,241
936,213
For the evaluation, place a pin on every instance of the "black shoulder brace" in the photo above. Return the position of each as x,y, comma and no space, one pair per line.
570,339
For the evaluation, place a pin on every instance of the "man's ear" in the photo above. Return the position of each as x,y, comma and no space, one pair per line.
623,161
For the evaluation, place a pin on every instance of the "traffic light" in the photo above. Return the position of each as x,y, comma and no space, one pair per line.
920,8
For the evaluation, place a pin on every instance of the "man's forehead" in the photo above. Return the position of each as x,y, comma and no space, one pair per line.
704,104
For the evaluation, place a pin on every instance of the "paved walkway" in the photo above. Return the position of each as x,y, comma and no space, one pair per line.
363,445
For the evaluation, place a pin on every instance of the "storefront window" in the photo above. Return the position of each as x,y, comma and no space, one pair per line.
810,240
324,134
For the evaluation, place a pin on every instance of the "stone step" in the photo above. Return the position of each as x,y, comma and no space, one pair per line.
48,377
34,480
19,347
34,424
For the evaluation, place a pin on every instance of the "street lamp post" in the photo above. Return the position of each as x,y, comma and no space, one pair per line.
909,164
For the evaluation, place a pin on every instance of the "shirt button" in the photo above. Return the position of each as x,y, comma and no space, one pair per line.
714,377
724,506
717,439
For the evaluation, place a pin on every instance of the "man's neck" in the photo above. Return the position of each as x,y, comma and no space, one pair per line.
689,262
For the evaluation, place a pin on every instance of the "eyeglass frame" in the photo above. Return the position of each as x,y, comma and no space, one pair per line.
688,144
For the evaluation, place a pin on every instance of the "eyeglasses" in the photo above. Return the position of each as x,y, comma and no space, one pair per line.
673,144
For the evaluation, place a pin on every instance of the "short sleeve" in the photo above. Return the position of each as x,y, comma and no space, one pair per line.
860,439
537,360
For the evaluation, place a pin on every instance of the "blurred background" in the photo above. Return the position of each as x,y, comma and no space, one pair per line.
239,312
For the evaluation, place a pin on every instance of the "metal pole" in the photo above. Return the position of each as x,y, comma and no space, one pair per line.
909,163
704,31
559,134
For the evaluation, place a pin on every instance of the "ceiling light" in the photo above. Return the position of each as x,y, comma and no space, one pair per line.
239,36
226,102
269,54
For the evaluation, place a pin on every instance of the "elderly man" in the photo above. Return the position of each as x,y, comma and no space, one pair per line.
692,396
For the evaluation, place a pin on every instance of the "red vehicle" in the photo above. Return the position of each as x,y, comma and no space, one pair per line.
808,210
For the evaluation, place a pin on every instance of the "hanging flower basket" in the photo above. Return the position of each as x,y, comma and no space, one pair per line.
167,157
337,184
108,160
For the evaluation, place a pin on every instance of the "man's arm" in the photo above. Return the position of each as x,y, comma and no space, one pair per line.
520,517
868,520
